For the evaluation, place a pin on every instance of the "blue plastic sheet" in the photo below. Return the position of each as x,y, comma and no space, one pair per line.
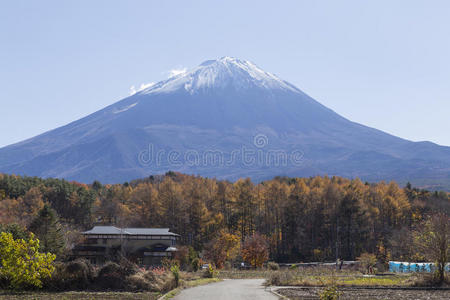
407,267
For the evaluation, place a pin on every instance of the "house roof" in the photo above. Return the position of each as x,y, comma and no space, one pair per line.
149,231
105,230
129,231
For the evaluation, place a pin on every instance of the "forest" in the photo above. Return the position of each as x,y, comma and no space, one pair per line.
303,219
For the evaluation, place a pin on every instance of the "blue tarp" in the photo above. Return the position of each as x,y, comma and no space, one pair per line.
406,267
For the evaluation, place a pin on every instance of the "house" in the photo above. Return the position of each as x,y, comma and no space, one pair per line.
144,246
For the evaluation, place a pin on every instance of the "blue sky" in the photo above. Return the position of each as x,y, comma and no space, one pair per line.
385,64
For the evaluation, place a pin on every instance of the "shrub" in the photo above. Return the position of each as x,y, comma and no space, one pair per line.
182,255
168,263
164,283
330,293
227,265
210,272
293,267
318,255
157,271
77,274
139,282
367,261
280,278
175,269
127,267
22,264
111,277
429,280
195,264
149,281
273,266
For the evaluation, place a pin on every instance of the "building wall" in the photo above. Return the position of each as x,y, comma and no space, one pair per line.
138,248
129,245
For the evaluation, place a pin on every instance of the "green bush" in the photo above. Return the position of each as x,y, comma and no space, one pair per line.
22,265
175,269
273,266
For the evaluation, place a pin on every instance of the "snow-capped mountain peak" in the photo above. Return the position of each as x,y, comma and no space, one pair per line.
226,72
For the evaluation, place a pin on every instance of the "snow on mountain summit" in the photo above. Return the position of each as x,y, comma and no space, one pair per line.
222,73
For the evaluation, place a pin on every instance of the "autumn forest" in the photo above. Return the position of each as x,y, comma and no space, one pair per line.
303,219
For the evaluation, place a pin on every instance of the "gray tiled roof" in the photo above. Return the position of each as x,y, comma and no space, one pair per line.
129,231
149,231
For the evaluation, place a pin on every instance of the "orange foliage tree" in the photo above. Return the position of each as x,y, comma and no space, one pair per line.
255,250
223,248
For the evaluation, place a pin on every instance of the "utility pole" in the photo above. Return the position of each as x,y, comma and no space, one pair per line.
337,243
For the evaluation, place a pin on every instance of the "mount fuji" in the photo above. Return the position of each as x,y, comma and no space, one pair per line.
226,118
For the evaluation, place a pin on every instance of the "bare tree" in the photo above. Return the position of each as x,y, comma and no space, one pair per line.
433,240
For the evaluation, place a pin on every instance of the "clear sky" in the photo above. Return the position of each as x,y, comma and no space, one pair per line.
385,64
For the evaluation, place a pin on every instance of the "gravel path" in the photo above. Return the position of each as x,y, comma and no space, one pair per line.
229,289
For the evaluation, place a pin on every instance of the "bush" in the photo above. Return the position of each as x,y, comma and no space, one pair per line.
22,265
368,261
195,264
168,263
227,265
80,275
273,266
330,293
280,278
429,280
164,283
77,274
210,272
176,274
318,255
182,255
149,281
111,277
139,282
127,267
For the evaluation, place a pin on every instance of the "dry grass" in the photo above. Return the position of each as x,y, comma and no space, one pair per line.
140,281
189,284
244,274
80,295
328,277
365,294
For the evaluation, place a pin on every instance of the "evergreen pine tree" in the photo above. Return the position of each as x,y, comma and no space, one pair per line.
48,230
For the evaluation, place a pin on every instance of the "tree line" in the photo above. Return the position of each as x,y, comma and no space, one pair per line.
302,219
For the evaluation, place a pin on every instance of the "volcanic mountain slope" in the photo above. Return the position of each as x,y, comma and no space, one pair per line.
226,118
